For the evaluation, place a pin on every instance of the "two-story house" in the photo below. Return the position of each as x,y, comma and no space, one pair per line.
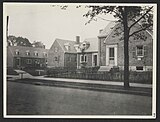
63,53
20,57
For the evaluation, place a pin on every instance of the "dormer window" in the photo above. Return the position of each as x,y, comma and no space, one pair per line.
67,46
85,45
17,52
35,53
27,53
45,54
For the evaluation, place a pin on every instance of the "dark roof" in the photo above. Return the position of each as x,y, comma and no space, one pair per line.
63,42
22,51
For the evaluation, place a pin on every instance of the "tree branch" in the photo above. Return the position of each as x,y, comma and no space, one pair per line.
106,19
139,30
140,17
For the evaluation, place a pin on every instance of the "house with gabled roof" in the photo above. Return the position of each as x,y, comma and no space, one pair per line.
63,53
20,57
90,54
111,49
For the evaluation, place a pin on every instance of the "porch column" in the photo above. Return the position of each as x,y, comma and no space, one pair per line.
107,56
115,55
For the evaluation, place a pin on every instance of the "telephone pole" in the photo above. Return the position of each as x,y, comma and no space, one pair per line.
7,28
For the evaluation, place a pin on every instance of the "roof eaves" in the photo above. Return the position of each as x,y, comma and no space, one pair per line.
60,46
145,30
109,34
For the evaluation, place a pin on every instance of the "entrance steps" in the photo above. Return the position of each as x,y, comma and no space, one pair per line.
104,68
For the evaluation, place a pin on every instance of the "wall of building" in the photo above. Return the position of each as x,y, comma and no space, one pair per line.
34,62
70,60
89,59
56,51
147,60
102,52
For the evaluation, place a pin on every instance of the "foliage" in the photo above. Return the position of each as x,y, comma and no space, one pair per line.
128,17
38,44
18,41
135,14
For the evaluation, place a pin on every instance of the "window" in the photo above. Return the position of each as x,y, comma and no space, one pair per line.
17,52
83,58
56,58
46,62
139,68
36,53
67,47
56,49
27,53
18,62
140,51
45,54
37,61
111,53
29,61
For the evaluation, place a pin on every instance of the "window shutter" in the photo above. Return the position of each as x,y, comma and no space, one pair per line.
134,52
85,58
145,50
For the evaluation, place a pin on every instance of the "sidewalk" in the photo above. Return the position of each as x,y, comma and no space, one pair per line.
105,86
93,82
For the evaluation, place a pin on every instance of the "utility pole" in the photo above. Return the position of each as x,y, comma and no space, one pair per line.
7,28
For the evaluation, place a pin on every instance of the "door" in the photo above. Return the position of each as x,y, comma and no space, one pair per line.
17,63
94,62
111,55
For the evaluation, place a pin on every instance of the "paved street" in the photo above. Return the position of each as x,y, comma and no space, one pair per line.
32,99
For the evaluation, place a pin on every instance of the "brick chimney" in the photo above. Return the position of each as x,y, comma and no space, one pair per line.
77,39
100,31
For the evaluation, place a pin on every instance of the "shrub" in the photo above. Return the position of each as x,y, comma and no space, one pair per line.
10,71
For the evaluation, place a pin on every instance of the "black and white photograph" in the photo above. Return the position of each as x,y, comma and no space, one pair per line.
79,60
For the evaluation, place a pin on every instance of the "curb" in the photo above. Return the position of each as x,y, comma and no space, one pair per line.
88,86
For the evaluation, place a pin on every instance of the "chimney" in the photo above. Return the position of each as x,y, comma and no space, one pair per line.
77,39
100,31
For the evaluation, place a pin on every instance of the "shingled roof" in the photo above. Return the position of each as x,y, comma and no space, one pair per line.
107,30
63,42
22,51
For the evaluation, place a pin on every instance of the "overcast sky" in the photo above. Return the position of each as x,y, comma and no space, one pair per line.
42,22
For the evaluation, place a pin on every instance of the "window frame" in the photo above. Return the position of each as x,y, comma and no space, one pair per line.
139,69
142,50
28,53
111,58
85,59
55,58
29,61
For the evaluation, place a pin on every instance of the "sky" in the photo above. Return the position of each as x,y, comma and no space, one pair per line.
45,23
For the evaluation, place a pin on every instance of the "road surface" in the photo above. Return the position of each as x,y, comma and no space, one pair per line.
29,99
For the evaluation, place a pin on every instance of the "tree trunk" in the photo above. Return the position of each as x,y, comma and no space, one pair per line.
126,52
